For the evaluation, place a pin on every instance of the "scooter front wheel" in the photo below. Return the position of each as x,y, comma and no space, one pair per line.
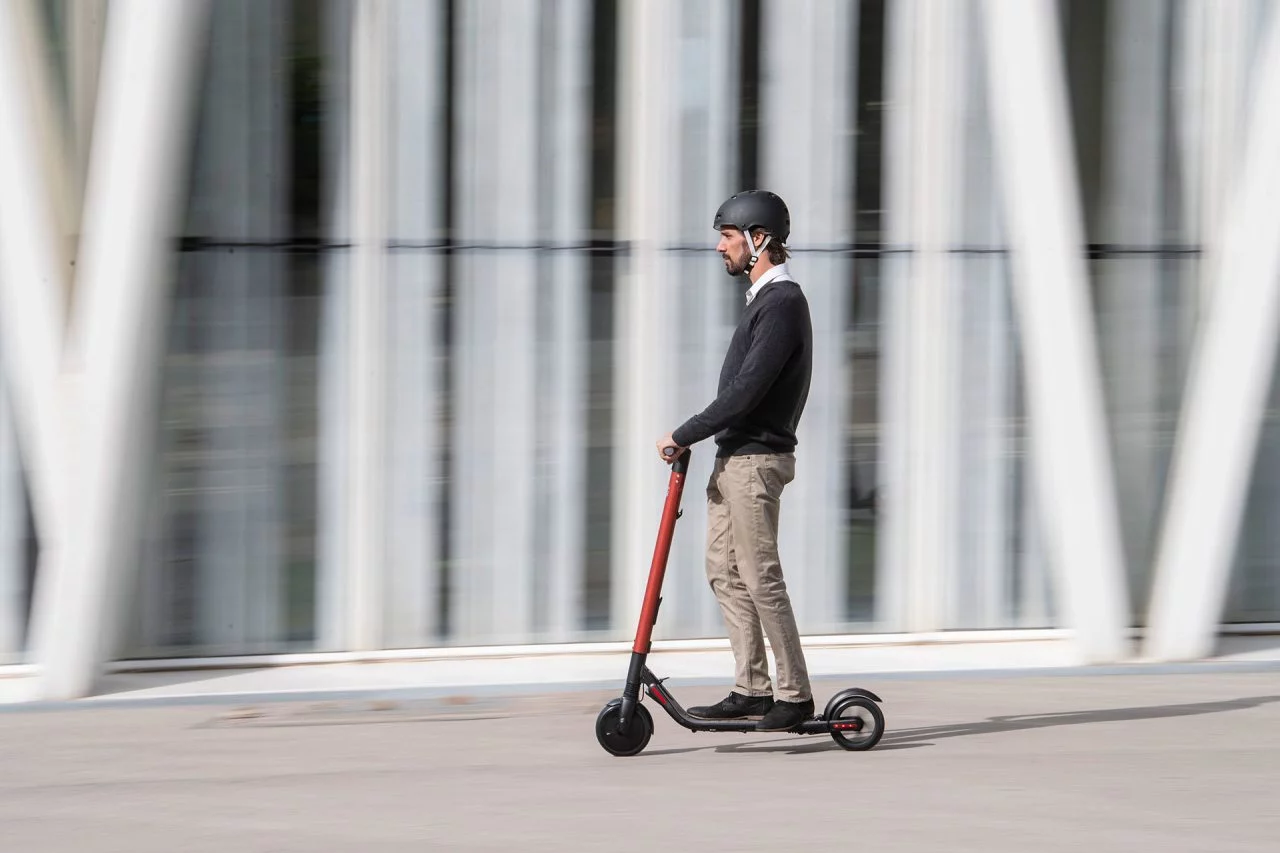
637,734
857,724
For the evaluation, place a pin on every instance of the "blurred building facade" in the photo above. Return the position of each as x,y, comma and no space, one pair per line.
443,270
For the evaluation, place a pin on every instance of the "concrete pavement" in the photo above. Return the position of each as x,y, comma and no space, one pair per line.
1067,762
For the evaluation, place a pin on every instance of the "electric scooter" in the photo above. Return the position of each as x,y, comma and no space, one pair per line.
852,717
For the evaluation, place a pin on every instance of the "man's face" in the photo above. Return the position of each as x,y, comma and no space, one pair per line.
734,250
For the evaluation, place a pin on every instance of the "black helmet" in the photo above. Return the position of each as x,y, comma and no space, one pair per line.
755,209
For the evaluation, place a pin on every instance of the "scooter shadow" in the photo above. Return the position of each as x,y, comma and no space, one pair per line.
926,736
789,746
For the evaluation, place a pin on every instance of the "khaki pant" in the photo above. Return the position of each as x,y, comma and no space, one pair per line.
743,497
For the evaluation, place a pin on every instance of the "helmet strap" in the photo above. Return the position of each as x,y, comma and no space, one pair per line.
755,253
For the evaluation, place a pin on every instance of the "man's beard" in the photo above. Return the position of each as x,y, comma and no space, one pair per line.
734,268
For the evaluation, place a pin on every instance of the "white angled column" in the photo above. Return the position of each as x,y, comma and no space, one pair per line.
35,270
57,154
86,23
921,436
415,189
1041,207
498,305
1226,393
139,151
806,153
1214,71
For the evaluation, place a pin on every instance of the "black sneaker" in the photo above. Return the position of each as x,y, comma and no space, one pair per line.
785,716
735,706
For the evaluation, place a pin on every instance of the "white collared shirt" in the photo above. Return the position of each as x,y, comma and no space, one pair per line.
776,273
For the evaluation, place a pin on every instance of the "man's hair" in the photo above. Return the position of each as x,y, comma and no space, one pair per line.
777,252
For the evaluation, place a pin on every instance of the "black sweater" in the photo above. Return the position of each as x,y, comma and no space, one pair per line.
765,379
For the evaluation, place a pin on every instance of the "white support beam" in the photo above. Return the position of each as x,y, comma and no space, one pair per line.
1231,373
34,272
648,299
367,290
921,438
140,145
86,21
497,304
56,163
416,128
708,39
806,143
999,578
1213,71
333,393
1042,214
562,472
1132,292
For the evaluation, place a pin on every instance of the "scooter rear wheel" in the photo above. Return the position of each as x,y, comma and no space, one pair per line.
637,735
867,714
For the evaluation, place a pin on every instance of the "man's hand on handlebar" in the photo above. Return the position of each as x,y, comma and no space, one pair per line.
668,449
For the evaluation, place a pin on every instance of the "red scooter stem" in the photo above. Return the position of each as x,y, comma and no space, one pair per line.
658,568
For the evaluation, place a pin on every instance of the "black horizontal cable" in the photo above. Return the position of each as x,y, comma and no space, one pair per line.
495,246
1164,250
210,244
207,244
1094,251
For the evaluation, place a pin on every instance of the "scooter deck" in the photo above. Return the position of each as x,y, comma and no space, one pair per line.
813,726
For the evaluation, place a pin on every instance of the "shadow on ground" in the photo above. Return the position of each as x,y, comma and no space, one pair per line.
926,736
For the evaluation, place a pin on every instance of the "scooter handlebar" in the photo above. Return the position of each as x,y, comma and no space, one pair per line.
681,465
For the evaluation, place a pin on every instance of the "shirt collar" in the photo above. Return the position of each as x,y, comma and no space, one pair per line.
775,273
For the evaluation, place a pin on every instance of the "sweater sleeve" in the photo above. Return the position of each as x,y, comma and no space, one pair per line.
773,339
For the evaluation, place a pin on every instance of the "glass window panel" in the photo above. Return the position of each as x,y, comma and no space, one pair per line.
999,575
233,546
862,438
19,547
1143,121
460,234
1254,591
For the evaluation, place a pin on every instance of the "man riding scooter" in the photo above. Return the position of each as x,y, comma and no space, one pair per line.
763,386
